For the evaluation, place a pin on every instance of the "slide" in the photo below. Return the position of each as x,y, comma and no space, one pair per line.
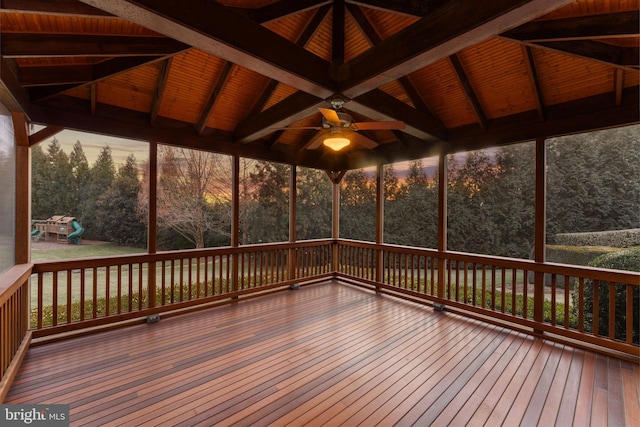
73,237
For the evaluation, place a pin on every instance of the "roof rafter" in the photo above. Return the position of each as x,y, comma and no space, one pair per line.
468,91
282,9
206,113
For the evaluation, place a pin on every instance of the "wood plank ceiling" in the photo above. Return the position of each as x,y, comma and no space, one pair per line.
230,75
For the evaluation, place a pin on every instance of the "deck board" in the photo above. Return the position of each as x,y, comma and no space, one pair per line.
327,354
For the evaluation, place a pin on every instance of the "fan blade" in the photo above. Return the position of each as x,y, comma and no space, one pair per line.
392,125
330,115
363,140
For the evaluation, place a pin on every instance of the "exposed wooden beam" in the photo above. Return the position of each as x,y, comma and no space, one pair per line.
100,71
217,88
467,88
49,7
412,8
281,9
44,133
12,95
214,28
452,27
47,45
161,84
291,109
618,83
379,105
338,29
622,57
621,24
532,73
302,41
55,75
374,38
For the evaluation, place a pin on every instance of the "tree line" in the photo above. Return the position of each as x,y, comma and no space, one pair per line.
593,184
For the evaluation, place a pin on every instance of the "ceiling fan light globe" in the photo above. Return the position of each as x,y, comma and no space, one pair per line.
336,143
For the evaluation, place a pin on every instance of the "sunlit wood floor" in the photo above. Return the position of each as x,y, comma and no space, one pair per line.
327,354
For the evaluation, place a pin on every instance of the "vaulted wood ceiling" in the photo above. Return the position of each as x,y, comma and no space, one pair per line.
230,75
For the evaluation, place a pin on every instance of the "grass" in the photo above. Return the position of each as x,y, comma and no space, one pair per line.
82,251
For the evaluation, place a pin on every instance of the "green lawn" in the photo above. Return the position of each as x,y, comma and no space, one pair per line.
82,251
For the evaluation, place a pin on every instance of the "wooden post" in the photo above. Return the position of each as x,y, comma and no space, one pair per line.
379,224
23,189
540,230
235,221
152,227
442,221
335,226
291,259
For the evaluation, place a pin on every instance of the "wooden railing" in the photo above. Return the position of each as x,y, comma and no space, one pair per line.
571,304
75,294
556,301
14,323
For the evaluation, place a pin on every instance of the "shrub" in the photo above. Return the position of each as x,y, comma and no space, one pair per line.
626,259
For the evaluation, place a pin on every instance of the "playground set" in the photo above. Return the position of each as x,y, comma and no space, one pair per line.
65,229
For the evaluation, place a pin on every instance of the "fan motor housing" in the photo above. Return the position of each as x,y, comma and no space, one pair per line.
345,121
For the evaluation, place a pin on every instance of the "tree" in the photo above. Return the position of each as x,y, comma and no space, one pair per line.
101,176
189,186
53,192
412,217
117,213
357,206
269,214
313,204
81,178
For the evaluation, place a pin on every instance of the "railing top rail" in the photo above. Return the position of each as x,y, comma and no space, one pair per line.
12,279
523,264
81,263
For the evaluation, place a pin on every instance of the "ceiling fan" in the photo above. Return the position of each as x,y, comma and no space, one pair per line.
338,129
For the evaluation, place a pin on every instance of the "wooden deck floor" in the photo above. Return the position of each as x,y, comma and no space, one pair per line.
328,354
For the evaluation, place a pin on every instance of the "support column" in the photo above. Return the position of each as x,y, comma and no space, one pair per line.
152,220
235,222
540,229
292,222
443,175
379,224
23,189
335,225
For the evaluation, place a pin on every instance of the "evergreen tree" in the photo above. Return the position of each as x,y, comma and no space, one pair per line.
412,219
269,217
313,204
80,170
101,176
117,209
358,206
